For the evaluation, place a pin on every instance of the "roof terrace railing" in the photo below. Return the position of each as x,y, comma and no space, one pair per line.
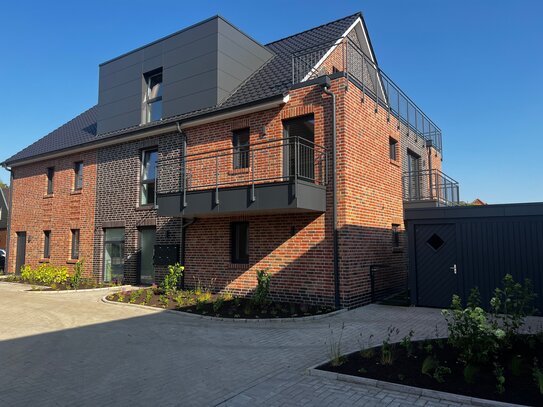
430,185
347,57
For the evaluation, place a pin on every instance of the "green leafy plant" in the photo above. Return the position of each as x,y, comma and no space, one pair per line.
440,372
218,304
470,331
133,296
428,365
262,291
164,300
500,378
432,368
388,348
407,343
44,274
367,351
148,296
171,280
512,304
75,280
120,297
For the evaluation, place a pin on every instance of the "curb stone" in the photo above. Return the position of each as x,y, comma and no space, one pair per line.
83,290
402,388
234,320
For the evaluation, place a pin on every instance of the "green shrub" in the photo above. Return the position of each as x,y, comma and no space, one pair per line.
512,304
75,280
470,331
262,288
45,274
171,281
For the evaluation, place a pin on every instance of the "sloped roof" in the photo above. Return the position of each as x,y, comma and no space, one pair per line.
273,79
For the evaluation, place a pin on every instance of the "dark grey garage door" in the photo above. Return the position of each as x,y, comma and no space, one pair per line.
437,277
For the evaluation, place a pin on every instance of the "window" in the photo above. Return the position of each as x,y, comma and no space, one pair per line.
50,176
393,149
114,254
78,172
239,242
395,235
75,244
46,244
240,142
153,96
148,177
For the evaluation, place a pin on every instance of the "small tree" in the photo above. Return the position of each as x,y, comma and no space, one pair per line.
262,291
75,280
171,281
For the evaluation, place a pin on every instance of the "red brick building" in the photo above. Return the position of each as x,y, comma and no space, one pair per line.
229,156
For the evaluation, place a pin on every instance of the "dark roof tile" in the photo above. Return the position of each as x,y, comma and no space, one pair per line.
272,79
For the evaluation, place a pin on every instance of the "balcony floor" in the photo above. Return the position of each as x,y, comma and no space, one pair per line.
270,198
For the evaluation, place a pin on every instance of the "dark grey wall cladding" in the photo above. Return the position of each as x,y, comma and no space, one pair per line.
3,213
490,242
201,65
117,191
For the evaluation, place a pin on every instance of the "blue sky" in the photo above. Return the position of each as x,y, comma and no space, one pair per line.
475,67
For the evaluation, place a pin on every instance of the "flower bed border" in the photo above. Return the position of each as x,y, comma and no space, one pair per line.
243,320
51,291
417,391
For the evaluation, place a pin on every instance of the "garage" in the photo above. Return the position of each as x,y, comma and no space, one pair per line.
452,249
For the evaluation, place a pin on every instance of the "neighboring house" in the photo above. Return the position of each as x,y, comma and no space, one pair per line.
478,202
209,148
4,216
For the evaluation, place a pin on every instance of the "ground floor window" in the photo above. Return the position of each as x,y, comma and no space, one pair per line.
113,254
239,242
75,244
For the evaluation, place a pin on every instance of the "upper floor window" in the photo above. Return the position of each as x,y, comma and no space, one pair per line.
148,177
50,176
153,96
240,143
78,173
393,149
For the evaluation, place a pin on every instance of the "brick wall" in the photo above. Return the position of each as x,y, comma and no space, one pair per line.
34,211
118,201
370,195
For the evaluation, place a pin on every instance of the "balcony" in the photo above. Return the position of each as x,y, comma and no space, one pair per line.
347,57
429,188
279,176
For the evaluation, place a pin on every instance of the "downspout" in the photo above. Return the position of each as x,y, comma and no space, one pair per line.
184,227
9,217
337,298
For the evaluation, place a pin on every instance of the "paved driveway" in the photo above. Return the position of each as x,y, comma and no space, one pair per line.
73,349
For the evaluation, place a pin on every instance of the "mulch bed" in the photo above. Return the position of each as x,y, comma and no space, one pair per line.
187,301
519,387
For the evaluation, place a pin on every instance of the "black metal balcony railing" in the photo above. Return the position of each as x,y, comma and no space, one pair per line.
288,159
346,56
430,185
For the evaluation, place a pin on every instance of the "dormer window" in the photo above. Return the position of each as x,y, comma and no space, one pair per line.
153,96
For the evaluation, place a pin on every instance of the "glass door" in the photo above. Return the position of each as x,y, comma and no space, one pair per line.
114,255
147,239
299,134
413,169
